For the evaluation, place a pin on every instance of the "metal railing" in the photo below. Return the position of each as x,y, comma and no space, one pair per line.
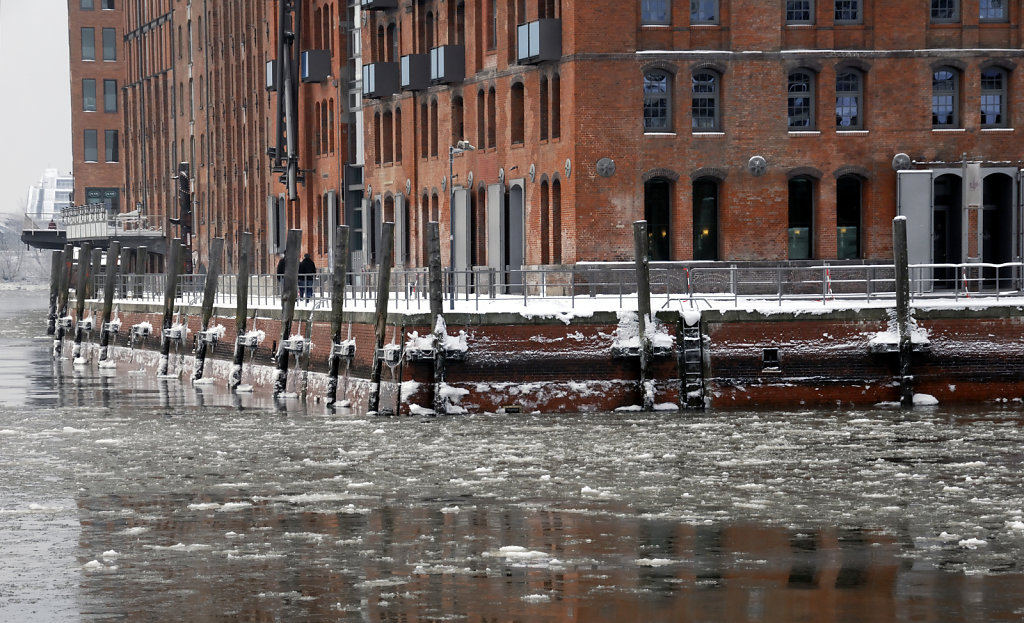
693,284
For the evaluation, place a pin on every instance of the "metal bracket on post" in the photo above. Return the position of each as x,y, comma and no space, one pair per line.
141,330
209,336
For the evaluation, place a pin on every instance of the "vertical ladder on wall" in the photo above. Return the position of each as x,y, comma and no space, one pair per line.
692,367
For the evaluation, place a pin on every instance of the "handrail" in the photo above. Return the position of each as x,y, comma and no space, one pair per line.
724,284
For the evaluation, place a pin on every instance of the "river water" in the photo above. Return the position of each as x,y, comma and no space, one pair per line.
127,498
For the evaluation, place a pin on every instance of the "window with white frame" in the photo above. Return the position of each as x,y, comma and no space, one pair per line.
704,103
703,11
655,12
657,101
799,11
945,98
849,96
992,10
993,97
800,100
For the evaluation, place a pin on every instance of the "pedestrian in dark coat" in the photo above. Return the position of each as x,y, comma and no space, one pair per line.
306,271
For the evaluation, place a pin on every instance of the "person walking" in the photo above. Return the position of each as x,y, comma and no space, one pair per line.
306,271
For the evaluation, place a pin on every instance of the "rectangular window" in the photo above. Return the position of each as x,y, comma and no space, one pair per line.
90,152
89,95
799,12
654,12
848,12
703,11
110,143
109,44
945,10
88,44
85,5
110,96
992,10
107,5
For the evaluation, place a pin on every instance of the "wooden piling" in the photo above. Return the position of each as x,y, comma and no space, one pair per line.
67,259
288,295
381,316
123,269
643,293
170,291
108,296
436,314
95,269
338,279
141,266
81,293
241,307
209,294
56,264
901,261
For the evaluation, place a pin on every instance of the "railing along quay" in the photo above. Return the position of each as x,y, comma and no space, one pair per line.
693,285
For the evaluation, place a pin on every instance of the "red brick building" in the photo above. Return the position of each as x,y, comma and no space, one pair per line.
740,129
95,29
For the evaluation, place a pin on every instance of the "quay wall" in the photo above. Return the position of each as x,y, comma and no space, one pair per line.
525,364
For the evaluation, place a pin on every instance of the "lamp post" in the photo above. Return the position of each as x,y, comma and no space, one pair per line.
458,148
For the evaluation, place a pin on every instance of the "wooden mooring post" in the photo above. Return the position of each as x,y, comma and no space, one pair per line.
56,264
437,314
170,290
67,259
643,294
288,295
338,278
245,248
81,293
203,339
109,283
901,261
381,316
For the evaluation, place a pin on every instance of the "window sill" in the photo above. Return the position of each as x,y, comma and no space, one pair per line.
659,26
711,134
949,130
998,130
805,132
705,26
851,132
659,134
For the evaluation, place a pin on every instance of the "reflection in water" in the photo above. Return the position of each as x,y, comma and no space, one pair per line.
130,498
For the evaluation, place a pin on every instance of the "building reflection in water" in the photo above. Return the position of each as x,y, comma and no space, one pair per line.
279,559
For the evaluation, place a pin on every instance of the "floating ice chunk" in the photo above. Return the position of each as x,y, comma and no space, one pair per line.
93,565
243,389
972,543
450,510
205,506
654,562
109,555
925,400
234,506
536,599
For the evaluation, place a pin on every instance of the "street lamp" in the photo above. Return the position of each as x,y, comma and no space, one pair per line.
457,148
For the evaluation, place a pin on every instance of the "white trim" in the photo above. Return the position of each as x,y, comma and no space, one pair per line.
949,130
660,134
708,133
852,132
998,130
805,132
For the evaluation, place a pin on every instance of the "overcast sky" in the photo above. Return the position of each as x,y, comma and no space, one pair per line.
35,105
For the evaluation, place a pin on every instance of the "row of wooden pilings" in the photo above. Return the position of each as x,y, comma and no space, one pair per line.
90,262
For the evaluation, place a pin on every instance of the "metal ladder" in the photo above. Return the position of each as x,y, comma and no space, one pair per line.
692,364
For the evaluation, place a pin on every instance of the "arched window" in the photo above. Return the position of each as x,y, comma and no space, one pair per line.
800,100
801,217
517,114
657,211
460,23
556,222
481,119
556,106
424,130
849,97
376,138
316,124
458,128
849,195
392,44
398,135
657,101
993,97
428,31
543,108
381,47
705,219
545,216
433,127
705,100
388,139
492,117
945,98
330,124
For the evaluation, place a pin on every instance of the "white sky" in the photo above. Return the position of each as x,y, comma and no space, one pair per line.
35,105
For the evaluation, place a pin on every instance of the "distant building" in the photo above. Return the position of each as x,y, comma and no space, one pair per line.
47,198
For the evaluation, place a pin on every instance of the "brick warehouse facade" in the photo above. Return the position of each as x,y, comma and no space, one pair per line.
740,129
192,89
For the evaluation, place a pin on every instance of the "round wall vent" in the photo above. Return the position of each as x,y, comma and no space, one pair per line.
757,166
